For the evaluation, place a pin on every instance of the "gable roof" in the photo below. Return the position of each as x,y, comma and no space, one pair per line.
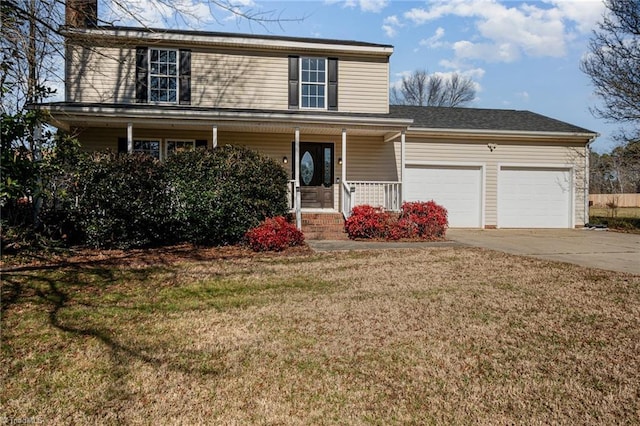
481,119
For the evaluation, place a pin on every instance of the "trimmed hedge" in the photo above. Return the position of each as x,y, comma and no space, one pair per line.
219,194
274,234
205,197
417,220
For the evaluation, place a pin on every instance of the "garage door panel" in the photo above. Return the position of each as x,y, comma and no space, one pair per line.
458,189
534,198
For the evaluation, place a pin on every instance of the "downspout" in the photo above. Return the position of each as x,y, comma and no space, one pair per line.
586,178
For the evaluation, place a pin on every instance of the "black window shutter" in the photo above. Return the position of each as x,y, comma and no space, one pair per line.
123,145
142,72
201,143
332,103
294,101
185,77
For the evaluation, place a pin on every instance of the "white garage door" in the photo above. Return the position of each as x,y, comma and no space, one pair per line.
458,189
534,197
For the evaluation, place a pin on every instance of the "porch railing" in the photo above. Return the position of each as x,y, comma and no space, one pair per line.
346,199
291,195
385,194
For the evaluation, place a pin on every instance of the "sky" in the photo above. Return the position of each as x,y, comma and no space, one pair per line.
522,55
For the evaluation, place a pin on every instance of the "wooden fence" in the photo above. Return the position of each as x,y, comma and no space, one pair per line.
622,200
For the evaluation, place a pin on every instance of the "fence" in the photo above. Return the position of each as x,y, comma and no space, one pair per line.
621,200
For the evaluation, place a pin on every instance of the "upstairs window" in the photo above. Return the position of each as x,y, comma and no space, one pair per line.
163,75
313,83
313,80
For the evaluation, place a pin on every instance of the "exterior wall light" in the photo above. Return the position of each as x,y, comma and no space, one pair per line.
340,160
285,160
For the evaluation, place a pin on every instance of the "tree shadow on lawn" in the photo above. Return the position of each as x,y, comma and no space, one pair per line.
79,297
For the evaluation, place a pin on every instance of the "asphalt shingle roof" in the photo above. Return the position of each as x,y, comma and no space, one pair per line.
481,119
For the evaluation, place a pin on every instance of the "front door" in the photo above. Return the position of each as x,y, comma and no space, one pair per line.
316,175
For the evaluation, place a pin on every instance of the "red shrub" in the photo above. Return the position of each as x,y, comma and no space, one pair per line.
367,222
418,220
429,218
274,234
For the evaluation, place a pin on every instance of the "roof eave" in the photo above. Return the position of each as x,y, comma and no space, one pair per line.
62,115
230,40
500,134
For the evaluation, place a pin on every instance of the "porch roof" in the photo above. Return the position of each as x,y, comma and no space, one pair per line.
67,115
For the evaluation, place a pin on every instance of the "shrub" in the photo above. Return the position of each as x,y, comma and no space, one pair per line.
122,201
428,220
274,234
217,195
367,222
417,220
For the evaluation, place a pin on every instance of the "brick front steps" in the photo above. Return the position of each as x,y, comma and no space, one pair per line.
323,226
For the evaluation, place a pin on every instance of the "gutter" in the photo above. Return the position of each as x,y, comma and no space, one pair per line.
477,133
85,113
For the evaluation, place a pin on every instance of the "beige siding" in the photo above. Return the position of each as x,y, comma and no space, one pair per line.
239,81
104,75
368,159
223,79
512,153
363,86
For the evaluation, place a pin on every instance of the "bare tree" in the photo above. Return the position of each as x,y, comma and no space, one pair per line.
423,89
613,63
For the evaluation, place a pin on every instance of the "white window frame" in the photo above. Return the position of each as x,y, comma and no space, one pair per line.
159,141
168,140
150,75
324,84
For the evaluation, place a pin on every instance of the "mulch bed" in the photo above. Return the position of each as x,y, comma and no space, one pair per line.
139,257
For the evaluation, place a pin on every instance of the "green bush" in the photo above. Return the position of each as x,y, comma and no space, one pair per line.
220,194
122,201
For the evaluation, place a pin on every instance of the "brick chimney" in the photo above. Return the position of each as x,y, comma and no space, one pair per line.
81,13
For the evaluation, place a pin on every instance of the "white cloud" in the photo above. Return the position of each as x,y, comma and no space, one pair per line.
507,31
390,25
524,95
434,41
364,5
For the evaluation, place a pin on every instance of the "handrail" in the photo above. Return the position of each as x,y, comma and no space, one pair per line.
346,199
291,194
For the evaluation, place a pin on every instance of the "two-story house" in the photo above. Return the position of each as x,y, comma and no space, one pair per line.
321,108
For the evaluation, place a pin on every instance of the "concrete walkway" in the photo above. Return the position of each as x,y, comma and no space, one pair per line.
613,251
595,249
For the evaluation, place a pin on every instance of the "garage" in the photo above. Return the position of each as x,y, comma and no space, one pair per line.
535,197
458,188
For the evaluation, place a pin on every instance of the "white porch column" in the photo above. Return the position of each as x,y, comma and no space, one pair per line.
402,165
296,165
215,136
129,138
344,157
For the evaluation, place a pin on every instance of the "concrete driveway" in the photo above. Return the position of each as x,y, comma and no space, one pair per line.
596,249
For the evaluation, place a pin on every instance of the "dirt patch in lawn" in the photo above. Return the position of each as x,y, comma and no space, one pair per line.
418,336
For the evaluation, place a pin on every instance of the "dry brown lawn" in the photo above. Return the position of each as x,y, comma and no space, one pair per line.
421,336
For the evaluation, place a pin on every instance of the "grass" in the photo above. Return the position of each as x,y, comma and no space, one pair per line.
432,336
626,219
622,212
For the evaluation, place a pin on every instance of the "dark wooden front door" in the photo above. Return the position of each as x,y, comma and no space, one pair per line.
316,175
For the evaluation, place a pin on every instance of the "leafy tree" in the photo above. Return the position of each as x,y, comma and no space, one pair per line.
613,64
423,89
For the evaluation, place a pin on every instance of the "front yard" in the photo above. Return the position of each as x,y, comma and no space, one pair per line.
440,336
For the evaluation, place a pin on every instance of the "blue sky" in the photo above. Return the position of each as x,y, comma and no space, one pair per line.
523,55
